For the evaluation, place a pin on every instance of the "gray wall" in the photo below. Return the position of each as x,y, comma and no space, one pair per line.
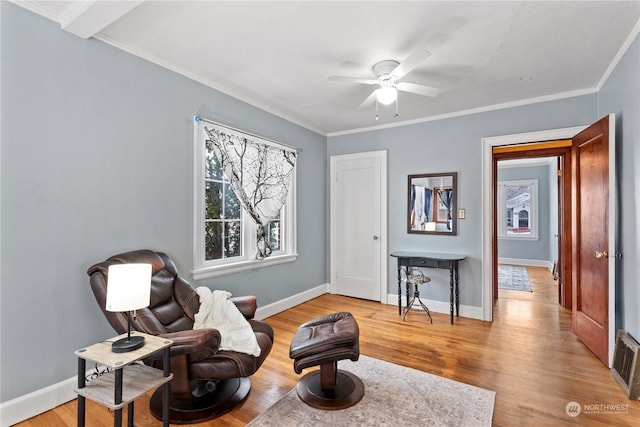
97,158
530,249
621,95
453,145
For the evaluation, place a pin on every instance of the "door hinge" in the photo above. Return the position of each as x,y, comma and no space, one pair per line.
559,172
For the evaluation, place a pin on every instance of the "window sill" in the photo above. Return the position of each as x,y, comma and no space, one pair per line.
245,265
511,237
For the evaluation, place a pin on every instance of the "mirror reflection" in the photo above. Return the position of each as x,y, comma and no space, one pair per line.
432,203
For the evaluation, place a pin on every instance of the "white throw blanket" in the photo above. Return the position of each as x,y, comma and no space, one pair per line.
219,312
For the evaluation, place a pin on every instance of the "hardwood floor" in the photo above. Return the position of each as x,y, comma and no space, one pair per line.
528,356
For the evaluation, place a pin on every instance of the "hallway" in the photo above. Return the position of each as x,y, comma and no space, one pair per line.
519,306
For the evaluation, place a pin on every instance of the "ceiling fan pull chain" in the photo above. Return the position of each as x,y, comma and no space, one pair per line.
376,110
396,107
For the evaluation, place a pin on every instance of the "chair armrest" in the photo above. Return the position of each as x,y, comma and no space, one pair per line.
247,305
193,341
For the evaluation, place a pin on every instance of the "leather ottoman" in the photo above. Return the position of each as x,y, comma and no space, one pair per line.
322,342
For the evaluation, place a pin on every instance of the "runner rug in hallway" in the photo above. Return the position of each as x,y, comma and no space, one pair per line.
394,395
513,278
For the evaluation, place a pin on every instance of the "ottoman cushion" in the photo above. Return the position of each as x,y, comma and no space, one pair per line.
324,340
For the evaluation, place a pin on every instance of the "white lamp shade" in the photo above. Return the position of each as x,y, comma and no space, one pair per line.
128,287
386,95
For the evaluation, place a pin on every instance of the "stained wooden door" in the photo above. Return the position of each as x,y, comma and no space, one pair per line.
593,270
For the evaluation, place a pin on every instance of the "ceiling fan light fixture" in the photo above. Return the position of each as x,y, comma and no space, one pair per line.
386,95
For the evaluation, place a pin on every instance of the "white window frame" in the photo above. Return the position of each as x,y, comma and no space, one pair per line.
203,269
533,211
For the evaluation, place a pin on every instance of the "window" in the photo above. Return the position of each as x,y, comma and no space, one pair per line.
223,219
224,234
518,209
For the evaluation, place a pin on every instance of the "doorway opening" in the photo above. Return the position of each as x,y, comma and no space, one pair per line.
528,224
510,143
522,220
591,197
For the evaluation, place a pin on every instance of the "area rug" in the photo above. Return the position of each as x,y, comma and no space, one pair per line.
395,396
513,278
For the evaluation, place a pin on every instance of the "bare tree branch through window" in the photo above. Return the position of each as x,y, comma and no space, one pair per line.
259,173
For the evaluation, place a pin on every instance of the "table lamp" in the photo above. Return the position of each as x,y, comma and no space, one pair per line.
128,289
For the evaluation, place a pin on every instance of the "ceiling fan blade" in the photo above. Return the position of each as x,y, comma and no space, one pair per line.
418,89
353,80
416,58
367,102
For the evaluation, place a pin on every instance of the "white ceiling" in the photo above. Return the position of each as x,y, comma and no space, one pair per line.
278,55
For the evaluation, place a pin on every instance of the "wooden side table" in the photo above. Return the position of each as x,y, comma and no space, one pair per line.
127,381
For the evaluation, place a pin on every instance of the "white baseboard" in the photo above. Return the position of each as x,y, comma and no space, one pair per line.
443,307
37,402
526,262
45,399
285,304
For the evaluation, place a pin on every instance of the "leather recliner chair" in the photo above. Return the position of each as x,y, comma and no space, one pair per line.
207,381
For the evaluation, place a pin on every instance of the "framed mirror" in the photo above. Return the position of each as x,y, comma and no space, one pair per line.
432,203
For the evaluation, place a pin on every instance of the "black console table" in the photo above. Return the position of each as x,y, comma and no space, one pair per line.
430,260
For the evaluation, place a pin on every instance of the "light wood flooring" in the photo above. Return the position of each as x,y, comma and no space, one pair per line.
528,356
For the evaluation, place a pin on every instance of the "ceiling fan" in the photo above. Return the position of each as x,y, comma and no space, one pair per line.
388,75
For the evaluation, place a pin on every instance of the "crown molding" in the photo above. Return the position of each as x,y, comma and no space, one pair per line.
484,109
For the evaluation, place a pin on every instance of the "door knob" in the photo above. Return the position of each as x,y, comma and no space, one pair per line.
603,254
375,237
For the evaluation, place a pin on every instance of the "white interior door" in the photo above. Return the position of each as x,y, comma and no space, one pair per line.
358,225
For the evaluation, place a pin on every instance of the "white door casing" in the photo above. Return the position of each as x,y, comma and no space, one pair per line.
487,204
487,213
358,239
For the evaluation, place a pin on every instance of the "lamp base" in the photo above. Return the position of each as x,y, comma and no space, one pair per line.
127,344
